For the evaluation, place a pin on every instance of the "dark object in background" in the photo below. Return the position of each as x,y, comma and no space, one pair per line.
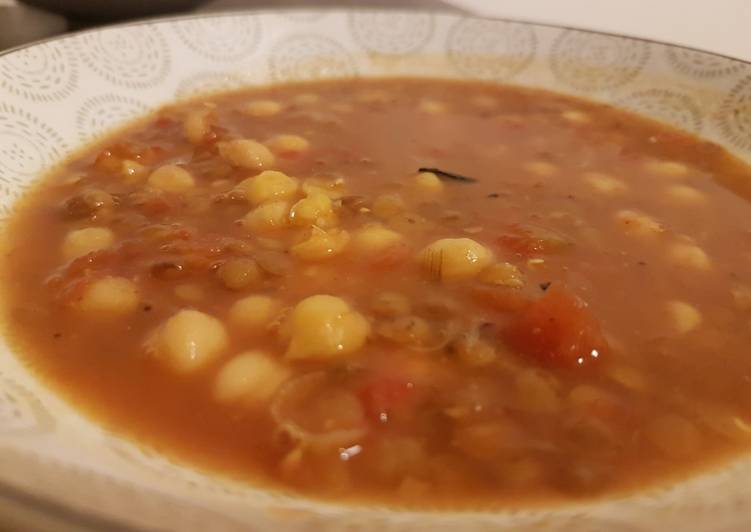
20,24
105,10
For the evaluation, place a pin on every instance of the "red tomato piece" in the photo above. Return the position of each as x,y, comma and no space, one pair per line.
559,329
382,396
529,240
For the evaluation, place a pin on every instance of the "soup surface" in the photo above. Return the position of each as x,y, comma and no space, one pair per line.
403,291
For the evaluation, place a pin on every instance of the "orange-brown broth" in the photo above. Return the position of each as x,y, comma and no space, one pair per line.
376,147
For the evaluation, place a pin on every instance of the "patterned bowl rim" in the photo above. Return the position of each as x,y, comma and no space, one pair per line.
147,21
58,514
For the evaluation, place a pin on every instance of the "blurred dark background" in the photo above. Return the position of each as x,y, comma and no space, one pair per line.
23,21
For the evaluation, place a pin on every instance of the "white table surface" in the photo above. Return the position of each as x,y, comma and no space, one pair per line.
720,26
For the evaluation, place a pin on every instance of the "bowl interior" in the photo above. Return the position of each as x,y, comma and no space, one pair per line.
61,94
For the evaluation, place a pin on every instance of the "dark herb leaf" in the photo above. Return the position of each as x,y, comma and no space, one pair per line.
448,175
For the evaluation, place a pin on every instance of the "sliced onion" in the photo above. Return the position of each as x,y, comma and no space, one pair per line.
295,405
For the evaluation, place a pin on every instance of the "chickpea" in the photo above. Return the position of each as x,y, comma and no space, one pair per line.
197,125
250,377
604,183
171,178
387,206
684,316
667,168
432,107
428,183
638,224
239,273
262,108
541,168
455,258
475,352
321,244
190,340
84,241
133,172
333,188
689,255
317,209
686,194
324,327
502,274
288,144
268,185
742,297
266,217
189,292
252,313
576,117
627,377
109,295
246,153
374,239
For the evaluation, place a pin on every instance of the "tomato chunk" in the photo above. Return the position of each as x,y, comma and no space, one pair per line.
530,240
557,329
383,396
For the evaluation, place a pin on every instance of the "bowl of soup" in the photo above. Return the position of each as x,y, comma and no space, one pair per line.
337,270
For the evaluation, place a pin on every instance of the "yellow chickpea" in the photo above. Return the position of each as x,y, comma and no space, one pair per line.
190,292
638,224
268,185
432,107
246,153
686,194
316,209
428,183
84,241
190,340
374,239
260,108
250,378
251,314
667,168
325,326
171,178
455,258
108,296
197,125
576,117
288,144
267,217
627,377
502,274
321,245
689,255
387,206
133,172
605,184
684,317
540,168
333,188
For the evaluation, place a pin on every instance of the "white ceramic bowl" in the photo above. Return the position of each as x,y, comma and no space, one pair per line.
57,95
